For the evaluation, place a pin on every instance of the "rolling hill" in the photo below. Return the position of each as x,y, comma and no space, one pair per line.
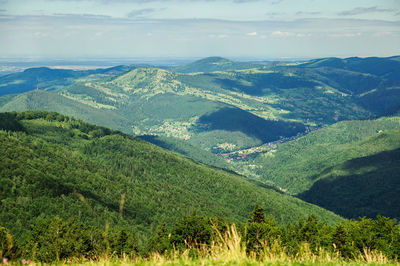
297,164
365,186
212,64
373,82
57,165
350,167
229,106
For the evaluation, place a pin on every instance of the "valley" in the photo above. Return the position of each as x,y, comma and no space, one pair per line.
241,112
140,149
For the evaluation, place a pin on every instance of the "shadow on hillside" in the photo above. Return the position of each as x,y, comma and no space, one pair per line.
255,84
235,119
374,190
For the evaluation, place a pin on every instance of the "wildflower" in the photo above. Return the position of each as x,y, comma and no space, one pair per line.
5,260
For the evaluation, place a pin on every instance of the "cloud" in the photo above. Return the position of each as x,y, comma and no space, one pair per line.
348,35
39,34
78,16
305,13
364,10
279,33
141,12
3,10
254,33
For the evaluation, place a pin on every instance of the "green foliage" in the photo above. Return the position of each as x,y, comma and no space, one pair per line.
9,122
260,233
347,239
365,186
298,164
257,215
271,102
69,168
380,234
8,247
160,241
54,239
195,153
191,231
211,64
310,231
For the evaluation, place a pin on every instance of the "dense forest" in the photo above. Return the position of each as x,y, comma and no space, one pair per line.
54,239
57,165
314,141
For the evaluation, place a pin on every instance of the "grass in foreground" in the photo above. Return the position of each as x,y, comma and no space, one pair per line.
230,250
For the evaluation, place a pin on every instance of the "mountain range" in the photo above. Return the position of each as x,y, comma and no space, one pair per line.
324,130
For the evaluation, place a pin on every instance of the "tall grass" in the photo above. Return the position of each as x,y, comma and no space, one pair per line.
229,249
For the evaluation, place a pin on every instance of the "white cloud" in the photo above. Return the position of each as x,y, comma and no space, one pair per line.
279,33
39,34
346,35
302,35
254,33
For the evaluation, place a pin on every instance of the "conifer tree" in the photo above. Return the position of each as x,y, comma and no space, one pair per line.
257,215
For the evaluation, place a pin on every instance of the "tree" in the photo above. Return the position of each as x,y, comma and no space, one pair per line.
160,242
257,215
191,231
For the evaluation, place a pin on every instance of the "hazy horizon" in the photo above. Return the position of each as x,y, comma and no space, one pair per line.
235,29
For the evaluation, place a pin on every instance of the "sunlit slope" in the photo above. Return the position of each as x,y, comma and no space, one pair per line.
363,186
297,165
228,108
56,165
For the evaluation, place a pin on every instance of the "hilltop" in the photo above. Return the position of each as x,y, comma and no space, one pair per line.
211,64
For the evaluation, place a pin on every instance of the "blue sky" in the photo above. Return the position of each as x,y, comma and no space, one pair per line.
261,29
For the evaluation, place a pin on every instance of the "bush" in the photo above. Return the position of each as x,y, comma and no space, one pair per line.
8,248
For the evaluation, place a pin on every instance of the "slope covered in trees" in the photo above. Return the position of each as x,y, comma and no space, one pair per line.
365,186
188,150
350,167
211,64
56,165
297,164
273,101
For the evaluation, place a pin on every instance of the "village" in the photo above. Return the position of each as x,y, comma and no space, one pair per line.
245,153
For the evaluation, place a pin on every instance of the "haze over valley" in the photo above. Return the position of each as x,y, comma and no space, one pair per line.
199,132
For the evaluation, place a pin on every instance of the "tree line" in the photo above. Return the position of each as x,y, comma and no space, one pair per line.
55,239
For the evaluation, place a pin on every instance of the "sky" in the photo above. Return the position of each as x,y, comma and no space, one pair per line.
252,29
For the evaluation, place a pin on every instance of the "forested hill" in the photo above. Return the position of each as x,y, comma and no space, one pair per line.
211,64
351,167
56,165
221,105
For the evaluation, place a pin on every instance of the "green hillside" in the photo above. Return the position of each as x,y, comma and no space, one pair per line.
237,107
211,64
47,101
365,186
295,166
188,150
47,78
56,165
373,82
